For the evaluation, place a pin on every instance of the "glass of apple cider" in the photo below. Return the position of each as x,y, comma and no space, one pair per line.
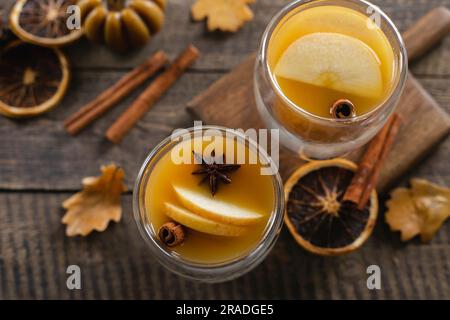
328,74
209,202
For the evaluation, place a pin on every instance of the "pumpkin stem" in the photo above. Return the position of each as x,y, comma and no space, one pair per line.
115,5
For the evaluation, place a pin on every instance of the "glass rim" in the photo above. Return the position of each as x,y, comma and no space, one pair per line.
400,79
225,270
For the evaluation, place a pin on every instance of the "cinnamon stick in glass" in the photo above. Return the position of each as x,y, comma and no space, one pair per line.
114,94
151,95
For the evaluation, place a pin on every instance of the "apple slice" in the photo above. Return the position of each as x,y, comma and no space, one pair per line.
198,223
334,61
215,209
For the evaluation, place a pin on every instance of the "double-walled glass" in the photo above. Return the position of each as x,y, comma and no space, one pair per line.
309,134
214,272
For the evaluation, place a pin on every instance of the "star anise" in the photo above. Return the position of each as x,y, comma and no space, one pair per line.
214,172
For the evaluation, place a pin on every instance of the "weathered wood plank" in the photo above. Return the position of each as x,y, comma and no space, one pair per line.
38,153
224,51
34,255
44,156
416,138
230,102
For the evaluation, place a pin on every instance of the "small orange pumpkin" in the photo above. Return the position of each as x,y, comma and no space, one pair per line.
122,24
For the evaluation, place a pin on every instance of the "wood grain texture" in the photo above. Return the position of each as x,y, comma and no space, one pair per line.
44,157
230,100
431,28
425,123
34,255
224,51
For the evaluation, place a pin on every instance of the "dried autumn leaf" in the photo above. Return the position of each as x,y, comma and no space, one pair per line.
225,15
402,214
433,200
97,204
419,210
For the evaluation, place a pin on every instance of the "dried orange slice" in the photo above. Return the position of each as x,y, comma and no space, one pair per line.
43,22
317,217
33,79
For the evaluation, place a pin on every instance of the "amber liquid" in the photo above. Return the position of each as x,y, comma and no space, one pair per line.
248,189
332,19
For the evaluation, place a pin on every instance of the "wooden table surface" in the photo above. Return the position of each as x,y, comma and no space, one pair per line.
40,166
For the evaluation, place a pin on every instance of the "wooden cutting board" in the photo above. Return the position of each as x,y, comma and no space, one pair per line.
230,102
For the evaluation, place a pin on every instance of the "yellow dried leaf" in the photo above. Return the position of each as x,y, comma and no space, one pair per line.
402,215
97,204
434,202
225,15
419,210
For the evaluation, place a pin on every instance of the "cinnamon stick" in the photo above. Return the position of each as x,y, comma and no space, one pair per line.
373,180
152,94
114,94
355,189
366,177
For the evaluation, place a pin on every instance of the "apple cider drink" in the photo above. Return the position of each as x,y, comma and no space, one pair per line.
328,53
207,201
217,205
329,73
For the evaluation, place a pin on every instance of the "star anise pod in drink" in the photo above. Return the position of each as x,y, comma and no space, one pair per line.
214,172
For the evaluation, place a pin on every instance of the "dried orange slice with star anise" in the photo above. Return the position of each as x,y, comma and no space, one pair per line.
33,79
44,22
318,218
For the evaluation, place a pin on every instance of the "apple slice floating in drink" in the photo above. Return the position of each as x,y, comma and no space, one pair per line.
334,61
215,209
198,223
